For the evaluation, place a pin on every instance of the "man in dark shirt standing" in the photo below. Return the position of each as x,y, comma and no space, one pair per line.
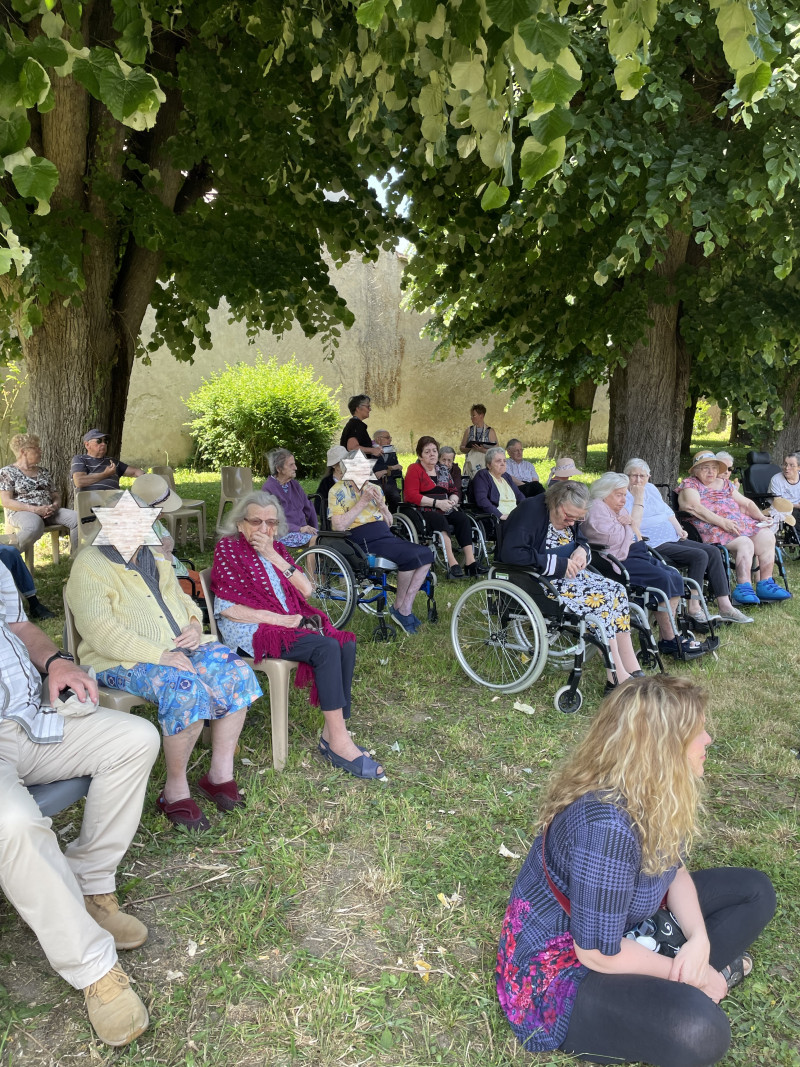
355,434
94,470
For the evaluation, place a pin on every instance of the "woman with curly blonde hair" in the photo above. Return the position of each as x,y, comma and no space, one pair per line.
616,821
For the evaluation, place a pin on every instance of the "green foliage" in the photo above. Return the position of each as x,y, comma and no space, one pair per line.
246,410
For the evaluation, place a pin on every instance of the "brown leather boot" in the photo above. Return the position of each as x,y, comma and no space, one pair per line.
115,1011
126,930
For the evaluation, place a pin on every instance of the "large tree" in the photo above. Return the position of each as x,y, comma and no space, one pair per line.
179,155
618,267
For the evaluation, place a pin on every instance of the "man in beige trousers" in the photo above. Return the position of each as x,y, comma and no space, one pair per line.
68,898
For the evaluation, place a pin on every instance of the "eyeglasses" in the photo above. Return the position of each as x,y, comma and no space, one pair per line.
101,440
729,468
255,523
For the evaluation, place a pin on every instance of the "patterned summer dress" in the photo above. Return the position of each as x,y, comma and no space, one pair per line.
588,593
721,502
594,857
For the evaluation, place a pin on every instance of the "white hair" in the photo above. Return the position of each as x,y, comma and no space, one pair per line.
636,464
606,484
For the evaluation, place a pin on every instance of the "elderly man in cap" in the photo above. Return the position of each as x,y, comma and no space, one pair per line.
68,898
94,470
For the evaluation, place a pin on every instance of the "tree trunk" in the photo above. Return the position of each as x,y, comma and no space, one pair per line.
788,439
648,394
570,437
688,425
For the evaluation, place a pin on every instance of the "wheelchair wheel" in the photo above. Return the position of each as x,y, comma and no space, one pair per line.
333,580
404,527
499,636
568,702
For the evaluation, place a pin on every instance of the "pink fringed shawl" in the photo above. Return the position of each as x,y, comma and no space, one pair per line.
238,575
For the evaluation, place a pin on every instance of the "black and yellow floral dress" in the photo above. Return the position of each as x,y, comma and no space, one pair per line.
591,594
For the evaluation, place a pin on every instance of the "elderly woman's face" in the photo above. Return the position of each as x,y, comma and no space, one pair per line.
638,476
477,418
258,520
498,465
447,459
567,515
707,473
31,454
289,469
429,454
616,499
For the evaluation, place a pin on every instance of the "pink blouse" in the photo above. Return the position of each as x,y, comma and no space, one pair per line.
721,502
602,527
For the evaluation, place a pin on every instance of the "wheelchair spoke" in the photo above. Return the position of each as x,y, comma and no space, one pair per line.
499,636
333,580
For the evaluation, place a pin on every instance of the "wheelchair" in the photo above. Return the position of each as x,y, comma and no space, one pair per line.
345,577
508,627
409,522
645,598
756,479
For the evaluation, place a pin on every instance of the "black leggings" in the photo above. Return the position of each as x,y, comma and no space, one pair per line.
627,1018
333,666
699,559
454,522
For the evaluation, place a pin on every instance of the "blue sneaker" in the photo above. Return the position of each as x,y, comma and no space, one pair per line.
768,589
745,594
417,622
405,622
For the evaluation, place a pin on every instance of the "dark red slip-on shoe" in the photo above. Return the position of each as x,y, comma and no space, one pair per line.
225,795
183,813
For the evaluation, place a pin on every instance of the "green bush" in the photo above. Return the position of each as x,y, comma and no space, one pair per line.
246,410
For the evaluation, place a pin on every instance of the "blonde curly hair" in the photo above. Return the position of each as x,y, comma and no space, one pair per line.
20,441
634,755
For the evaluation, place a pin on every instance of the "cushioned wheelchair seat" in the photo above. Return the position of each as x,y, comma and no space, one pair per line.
53,797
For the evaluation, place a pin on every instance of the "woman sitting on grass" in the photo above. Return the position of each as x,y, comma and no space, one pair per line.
616,822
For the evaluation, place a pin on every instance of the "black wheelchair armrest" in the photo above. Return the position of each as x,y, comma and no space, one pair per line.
595,547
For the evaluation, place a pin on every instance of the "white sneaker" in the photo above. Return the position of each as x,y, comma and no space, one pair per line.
734,615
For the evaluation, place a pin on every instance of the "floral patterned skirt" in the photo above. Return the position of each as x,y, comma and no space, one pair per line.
221,685
538,996
591,594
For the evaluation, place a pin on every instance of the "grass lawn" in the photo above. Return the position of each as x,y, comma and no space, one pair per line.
334,921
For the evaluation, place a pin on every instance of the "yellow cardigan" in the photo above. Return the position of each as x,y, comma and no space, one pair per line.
116,614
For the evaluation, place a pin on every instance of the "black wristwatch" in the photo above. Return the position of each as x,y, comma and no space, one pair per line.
289,572
57,655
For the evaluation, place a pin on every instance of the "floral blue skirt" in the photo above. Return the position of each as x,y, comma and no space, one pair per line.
222,685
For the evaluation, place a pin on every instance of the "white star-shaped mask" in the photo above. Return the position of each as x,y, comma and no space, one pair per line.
358,469
127,526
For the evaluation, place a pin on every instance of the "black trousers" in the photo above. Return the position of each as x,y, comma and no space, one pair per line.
333,666
529,489
627,1018
456,522
698,559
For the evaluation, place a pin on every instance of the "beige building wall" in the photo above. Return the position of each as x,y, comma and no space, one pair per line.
382,355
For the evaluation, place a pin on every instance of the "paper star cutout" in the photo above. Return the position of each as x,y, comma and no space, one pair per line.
358,469
127,526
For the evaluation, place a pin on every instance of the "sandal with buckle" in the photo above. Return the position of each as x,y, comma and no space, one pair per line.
183,812
363,767
736,972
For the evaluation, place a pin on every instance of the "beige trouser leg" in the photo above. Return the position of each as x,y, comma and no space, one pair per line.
45,885
29,527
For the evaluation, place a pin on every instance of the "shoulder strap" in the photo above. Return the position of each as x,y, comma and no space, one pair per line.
560,897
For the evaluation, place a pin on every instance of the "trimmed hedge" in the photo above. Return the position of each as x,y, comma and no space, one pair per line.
246,410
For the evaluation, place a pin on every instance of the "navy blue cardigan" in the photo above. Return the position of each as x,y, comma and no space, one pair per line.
485,493
524,536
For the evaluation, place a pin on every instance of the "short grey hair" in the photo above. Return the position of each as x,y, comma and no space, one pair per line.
447,449
276,459
492,452
560,493
606,484
636,464
230,526
513,441
727,457
378,433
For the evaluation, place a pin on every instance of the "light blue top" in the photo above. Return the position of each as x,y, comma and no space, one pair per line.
656,526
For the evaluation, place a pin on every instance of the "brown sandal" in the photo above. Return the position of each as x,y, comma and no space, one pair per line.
183,812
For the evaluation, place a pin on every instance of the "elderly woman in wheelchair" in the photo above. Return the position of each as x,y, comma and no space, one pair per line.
364,515
610,525
429,488
544,533
262,610
654,519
